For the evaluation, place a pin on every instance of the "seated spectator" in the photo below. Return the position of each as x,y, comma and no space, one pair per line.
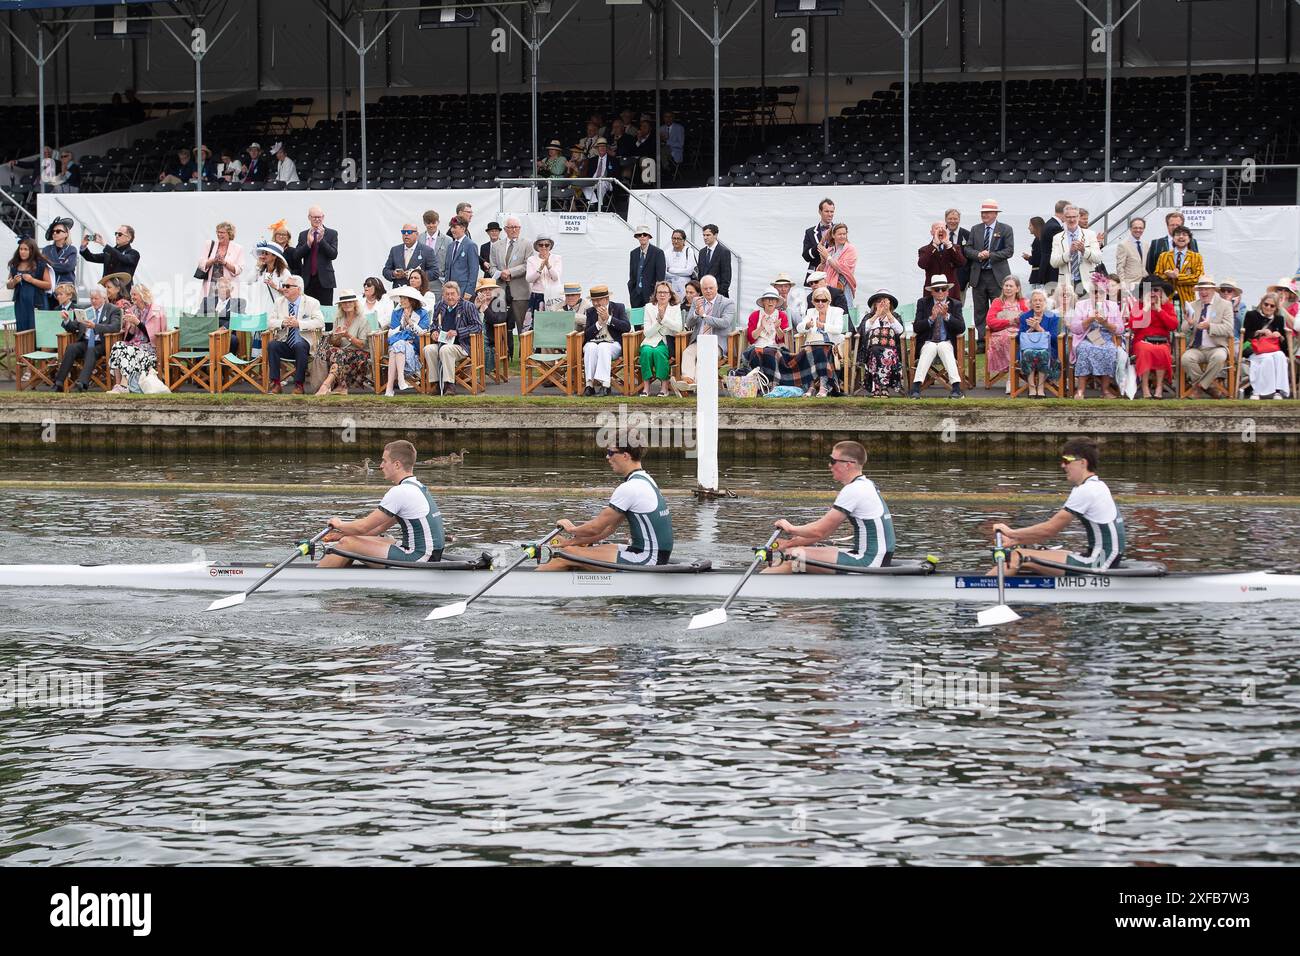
295,325
1003,317
673,135
230,168
223,302
453,322
602,343
545,274
1207,326
552,165
818,280
1268,349
1039,328
374,302
791,305
603,165
880,345
347,349
1288,302
823,331
642,156
1152,324
142,325
679,263
840,262
766,334
68,179
663,318
941,256
1036,256
258,167
1231,293
588,142
89,330
286,171
1181,266
575,167
418,280
1098,328
490,304
577,303
207,165
701,319
182,171
939,323
407,321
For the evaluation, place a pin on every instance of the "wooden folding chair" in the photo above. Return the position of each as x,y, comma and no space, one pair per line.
1229,369
230,368
100,375
1020,386
192,351
626,369
38,351
550,353
471,371
501,353
8,352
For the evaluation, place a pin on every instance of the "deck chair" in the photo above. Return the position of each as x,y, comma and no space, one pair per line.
38,351
8,352
501,353
1229,368
845,355
1019,386
230,369
100,375
192,352
471,371
627,369
550,353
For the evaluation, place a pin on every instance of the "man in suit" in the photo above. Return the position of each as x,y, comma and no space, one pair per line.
465,213
815,235
405,256
602,339
509,266
1076,254
295,325
485,248
1050,274
258,167
435,243
316,251
646,266
990,245
1166,243
600,166
942,255
1208,325
454,320
958,237
119,257
461,264
717,309
101,319
938,324
714,260
1130,257
221,301
818,280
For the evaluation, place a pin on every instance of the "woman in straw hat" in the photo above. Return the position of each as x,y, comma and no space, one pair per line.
765,334
408,320
347,352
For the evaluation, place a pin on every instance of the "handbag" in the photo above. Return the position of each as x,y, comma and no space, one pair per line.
1035,340
751,385
201,273
1265,346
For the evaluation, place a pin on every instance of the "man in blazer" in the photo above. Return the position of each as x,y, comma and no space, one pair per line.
958,237
942,255
714,312
818,280
1165,242
509,266
990,245
461,264
1208,326
1075,253
436,242
1130,257
405,256
815,234
646,266
1051,228
119,257
101,319
221,301
258,169
602,339
295,326
317,249
714,260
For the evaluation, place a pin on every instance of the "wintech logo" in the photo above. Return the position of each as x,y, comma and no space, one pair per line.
74,909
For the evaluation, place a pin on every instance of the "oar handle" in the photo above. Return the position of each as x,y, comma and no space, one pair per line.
760,555
1000,557
529,551
301,550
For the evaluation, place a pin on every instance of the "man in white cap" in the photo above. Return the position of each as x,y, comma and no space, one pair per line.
1207,325
257,169
646,266
991,244
939,323
818,280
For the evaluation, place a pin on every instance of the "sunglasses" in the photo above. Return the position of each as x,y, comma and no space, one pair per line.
544,245
408,232
822,300
611,452
119,234
1068,459
841,461
1267,305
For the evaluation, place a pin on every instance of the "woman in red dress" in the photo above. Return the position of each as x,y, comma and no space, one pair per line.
1153,323
1004,314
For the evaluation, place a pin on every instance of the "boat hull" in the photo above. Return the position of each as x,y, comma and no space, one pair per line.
1234,588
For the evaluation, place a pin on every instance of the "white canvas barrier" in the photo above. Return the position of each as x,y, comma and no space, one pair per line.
765,226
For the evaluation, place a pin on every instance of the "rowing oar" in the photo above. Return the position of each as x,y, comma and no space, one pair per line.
710,618
304,548
1001,614
453,610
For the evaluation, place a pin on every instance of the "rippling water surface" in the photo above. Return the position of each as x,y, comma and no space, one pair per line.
344,729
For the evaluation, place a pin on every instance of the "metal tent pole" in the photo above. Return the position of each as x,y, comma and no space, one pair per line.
1187,116
40,58
1003,84
1108,28
198,48
361,47
655,26
905,33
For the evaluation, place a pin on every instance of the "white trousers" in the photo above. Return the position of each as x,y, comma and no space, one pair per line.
945,353
1269,374
441,361
597,357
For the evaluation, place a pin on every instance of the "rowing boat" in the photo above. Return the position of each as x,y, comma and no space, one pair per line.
1180,588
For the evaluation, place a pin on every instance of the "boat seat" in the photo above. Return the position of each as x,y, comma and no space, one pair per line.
1125,569
454,562
672,567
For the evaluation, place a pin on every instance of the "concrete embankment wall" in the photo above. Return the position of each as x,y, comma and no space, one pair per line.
761,430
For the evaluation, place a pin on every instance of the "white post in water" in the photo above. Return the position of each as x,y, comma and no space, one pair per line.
706,411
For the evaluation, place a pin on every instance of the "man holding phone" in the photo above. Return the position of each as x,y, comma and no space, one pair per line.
119,257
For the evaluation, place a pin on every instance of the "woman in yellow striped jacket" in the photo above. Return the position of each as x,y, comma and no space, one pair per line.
1181,266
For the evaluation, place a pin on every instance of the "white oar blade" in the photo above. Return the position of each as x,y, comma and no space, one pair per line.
226,602
998,614
447,610
708,619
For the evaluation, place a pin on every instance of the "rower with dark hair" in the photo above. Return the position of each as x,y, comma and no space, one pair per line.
859,501
638,501
1091,502
407,504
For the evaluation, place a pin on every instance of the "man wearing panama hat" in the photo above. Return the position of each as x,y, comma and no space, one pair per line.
1207,326
939,323
646,266
552,164
990,246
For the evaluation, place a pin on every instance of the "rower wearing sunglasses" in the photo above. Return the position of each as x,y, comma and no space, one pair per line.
637,501
1091,502
859,501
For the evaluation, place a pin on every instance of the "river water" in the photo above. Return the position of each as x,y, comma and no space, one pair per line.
344,729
